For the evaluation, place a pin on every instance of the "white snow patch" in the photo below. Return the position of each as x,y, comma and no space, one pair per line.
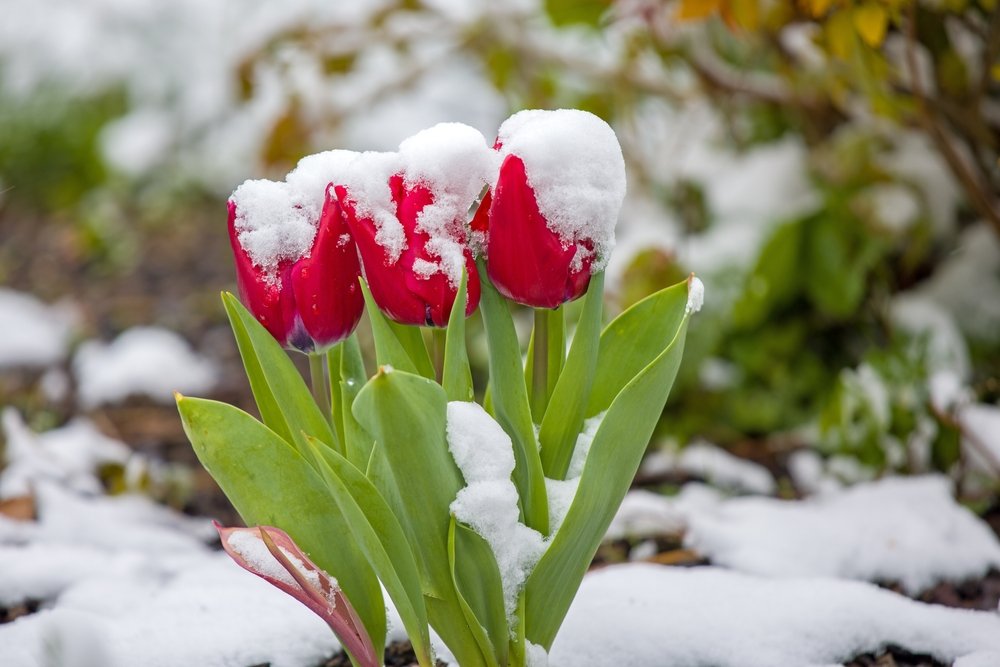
367,186
894,206
33,334
641,614
582,447
906,530
714,465
536,656
575,166
138,141
252,549
696,295
489,502
644,513
143,360
981,422
271,224
309,180
69,455
919,315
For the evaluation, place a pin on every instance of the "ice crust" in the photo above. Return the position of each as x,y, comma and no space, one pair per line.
575,166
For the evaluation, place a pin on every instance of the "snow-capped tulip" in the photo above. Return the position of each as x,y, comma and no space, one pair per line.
296,265
407,212
550,217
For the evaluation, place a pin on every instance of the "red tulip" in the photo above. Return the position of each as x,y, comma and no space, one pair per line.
409,289
309,303
549,220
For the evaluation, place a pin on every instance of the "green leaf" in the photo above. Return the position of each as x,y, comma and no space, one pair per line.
358,442
270,483
412,340
568,405
456,377
407,414
771,284
510,401
570,12
285,402
380,536
614,458
389,351
333,362
476,578
633,340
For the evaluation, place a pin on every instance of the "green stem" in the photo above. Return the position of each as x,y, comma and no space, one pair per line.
333,365
540,365
318,376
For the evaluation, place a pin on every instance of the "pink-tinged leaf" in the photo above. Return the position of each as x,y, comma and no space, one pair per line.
273,556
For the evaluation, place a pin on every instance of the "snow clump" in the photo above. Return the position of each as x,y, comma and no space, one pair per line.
488,503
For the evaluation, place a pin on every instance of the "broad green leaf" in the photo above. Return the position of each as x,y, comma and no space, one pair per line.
380,536
613,460
476,578
565,414
510,402
633,340
389,351
270,483
407,414
456,377
285,402
412,340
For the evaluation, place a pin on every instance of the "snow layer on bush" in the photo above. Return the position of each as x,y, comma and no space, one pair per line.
489,502
905,530
143,360
575,166
699,617
33,334
453,161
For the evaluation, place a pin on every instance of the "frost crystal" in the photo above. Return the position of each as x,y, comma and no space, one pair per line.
575,166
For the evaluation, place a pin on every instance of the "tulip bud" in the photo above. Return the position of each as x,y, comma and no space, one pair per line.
407,212
296,264
549,219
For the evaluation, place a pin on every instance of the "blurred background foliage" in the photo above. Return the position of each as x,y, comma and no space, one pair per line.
829,167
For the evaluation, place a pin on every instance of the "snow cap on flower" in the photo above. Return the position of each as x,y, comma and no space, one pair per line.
454,162
574,164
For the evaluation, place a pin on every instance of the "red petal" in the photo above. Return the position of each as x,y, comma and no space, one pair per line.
272,303
526,261
325,283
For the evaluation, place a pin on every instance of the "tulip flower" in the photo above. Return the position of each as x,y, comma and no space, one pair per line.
305,292
549,219
413,241
273,556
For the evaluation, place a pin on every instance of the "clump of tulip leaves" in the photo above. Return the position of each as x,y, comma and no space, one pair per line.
359,488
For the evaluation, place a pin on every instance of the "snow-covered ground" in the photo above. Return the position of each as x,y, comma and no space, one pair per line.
124,581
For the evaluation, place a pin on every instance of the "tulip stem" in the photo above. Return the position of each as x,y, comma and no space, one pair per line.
319,391
540,365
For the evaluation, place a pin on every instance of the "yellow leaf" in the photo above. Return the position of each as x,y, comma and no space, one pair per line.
742,14
871,21
818,7
693,10
840,37
995,72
